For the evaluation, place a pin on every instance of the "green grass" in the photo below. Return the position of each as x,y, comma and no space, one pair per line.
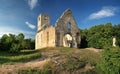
34,71
22,56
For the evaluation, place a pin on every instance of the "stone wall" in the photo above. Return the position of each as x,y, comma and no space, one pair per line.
46,38
62,28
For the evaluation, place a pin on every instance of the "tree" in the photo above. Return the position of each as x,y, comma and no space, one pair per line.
20,37
20,40
98,36
15,48
15,43
3,43
29,44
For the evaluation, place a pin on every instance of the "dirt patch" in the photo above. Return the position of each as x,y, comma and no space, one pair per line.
5,69
95,50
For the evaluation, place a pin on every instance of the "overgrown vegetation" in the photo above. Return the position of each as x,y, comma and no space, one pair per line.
15,43
100,36
110,63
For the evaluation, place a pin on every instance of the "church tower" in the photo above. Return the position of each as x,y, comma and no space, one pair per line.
43,21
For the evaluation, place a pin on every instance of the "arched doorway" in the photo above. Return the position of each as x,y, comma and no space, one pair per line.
67,40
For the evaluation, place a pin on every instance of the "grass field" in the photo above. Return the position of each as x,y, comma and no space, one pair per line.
22,56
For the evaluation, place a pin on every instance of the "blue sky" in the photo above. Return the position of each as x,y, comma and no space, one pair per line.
20,16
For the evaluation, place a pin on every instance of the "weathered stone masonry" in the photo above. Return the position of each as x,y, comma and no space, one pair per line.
64,33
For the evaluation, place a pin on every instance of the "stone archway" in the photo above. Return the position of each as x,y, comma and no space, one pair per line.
67,40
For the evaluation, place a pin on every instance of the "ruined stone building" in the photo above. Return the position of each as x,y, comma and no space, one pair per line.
64,33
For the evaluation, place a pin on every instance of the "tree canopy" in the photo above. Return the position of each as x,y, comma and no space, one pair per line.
15,43
100,36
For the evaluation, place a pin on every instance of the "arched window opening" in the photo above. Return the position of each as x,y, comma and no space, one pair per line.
69,27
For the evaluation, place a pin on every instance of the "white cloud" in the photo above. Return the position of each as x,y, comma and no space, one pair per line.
104,12
30,25
32,3
7,30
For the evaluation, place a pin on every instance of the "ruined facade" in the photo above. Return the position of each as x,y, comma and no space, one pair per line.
64,33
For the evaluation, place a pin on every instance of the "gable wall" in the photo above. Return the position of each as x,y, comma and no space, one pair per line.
61,27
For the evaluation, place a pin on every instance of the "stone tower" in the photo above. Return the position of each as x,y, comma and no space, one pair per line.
45,36
43,21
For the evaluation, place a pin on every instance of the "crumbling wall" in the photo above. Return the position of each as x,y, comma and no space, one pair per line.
62,28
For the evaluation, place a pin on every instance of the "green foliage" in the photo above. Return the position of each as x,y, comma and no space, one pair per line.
99,36
15,48
13,43
28,44
4,43
110,63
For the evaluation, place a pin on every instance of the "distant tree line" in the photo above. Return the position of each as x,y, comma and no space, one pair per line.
100,36
15,43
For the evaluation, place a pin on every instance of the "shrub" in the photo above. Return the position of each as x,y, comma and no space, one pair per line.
15,48
110,63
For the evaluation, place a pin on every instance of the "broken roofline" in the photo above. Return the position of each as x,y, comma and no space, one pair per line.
67,11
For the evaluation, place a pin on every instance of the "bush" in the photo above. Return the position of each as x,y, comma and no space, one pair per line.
110,63
15,48
98,36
